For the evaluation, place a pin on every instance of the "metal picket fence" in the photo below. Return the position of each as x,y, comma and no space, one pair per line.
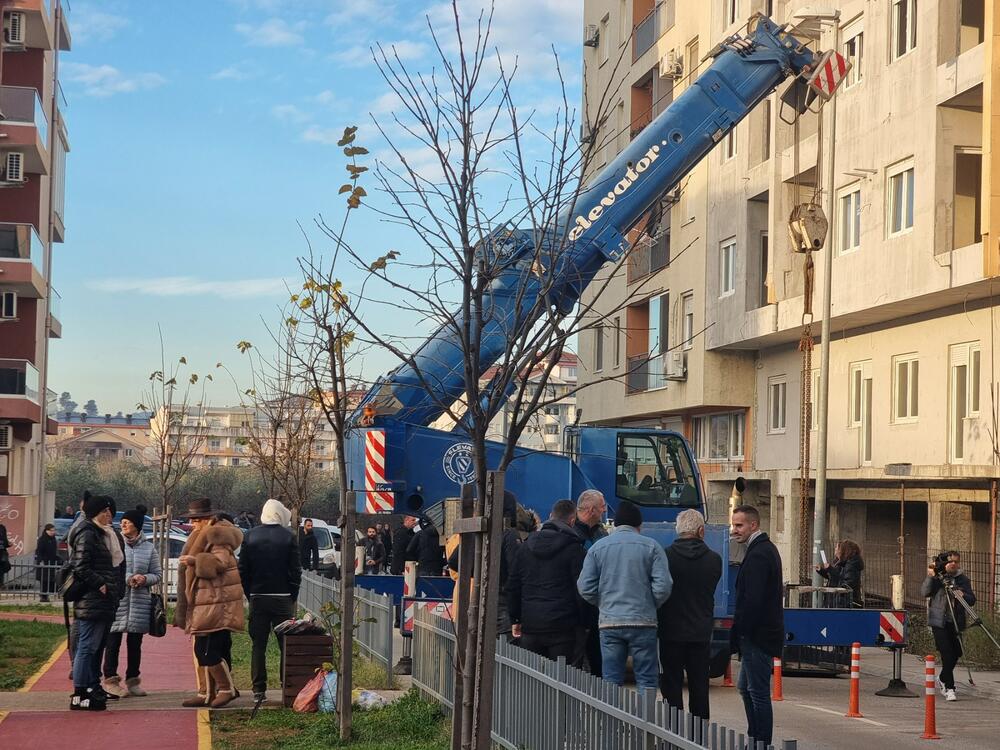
29,581
539,703
374,616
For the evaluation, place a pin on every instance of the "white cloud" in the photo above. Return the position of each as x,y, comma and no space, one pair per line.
240,71
289,113
106,80
274,32
326,136
361,11
361,54
188,286
93,25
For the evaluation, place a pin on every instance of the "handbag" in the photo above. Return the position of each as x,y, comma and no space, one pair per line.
157,616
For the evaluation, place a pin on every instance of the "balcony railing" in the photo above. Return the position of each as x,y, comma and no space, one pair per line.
648,257
55,304
20,242
652,27
18,377
645,373
22,105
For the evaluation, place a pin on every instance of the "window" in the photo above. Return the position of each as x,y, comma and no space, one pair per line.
693,59
727,267
964,396
598,347
215,444
861,405
776,390
319,464
900,204
854,51
720,436
659,324
235,462
8,304
765,146
729,145
552,411
551,429
618,341
732,11
849,206
905,383
655,469
569,373
687,307
604,40
762,295
129,452
904,27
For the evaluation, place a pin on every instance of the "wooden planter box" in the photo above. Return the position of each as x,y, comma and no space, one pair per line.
304,654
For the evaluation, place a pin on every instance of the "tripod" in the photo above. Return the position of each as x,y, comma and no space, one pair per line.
974,619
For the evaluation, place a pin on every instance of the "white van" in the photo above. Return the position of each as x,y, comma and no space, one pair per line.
328,539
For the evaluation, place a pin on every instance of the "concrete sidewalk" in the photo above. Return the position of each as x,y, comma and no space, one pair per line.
878,663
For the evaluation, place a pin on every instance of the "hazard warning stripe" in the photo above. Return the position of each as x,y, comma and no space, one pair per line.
375,501
891,626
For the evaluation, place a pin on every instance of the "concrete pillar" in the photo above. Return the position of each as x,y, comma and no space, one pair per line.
949,526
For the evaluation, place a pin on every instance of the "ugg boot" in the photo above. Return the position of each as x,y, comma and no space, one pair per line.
134,686
225,693
202,698
113,686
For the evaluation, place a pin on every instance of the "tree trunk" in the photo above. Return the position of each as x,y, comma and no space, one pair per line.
347,554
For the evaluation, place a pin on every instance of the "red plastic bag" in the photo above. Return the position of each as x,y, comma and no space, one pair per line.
307,701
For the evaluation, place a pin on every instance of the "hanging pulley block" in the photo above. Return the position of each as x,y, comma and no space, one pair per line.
807,227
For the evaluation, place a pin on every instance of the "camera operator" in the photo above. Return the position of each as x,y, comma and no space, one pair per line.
947,621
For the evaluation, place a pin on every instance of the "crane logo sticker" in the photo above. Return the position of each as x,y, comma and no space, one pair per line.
457,463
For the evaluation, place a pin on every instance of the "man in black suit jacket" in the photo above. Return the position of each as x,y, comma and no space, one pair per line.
758,633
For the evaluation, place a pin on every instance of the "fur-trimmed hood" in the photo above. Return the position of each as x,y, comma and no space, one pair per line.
220,533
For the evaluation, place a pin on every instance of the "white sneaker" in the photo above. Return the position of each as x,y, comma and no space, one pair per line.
949,695
940,686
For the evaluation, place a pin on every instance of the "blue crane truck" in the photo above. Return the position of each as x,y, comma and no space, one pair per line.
397,463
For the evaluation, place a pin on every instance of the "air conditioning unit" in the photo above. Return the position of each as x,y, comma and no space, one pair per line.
12,167
13,28
591,36
586,134
677,366
6,437
672,65
8,305
672,196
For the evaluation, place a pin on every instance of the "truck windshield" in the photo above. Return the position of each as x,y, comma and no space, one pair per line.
654,469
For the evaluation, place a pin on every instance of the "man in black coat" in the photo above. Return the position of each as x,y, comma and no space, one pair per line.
271,573
758,632
545,609
99,573
686,619
590,510
308,546
425,548
385,536
400,542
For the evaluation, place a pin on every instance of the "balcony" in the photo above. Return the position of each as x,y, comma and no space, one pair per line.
645,373
65,39
55,314
22,260
647,257
25,126
37,26
19,391
652,27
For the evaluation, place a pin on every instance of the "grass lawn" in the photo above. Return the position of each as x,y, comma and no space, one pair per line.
366,673
24,647
408,724
33,609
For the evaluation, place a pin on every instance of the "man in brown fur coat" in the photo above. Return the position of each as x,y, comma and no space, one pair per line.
210,600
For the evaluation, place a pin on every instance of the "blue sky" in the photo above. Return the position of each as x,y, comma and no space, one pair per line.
202,135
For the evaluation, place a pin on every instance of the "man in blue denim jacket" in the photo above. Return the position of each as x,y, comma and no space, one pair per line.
626,576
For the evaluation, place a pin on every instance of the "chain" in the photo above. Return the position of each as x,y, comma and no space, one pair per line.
805,425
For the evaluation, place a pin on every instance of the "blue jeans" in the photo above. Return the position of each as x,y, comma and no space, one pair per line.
755,686
618,643
90,637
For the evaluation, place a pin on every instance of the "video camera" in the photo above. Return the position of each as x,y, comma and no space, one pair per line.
939,562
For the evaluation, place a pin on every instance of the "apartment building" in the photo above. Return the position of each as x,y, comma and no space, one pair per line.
219,435
33,147
101,436
911,392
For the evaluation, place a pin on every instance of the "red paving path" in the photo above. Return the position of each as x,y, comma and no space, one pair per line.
167,666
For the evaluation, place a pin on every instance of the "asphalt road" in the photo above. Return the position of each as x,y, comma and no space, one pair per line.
813,713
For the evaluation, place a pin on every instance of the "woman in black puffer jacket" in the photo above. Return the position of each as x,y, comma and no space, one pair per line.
99,570
845,572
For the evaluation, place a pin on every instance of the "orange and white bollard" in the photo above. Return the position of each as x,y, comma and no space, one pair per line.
854,710
930,722
727,678
776,692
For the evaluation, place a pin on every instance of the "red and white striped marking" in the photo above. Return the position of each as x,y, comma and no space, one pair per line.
830,72
854,710
410,606
891,626
376,501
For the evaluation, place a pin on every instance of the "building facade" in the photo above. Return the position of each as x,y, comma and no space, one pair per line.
912,397
33,148
100,437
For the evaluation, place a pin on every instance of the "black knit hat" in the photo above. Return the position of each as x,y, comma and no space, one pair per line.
628,514
94,504
136,516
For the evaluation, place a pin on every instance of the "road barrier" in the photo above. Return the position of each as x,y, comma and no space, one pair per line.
540,703
930,691
776,694
854,710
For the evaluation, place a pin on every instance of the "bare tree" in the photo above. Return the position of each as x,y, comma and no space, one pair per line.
495,275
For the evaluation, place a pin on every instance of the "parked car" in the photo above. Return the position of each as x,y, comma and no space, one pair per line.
62,529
